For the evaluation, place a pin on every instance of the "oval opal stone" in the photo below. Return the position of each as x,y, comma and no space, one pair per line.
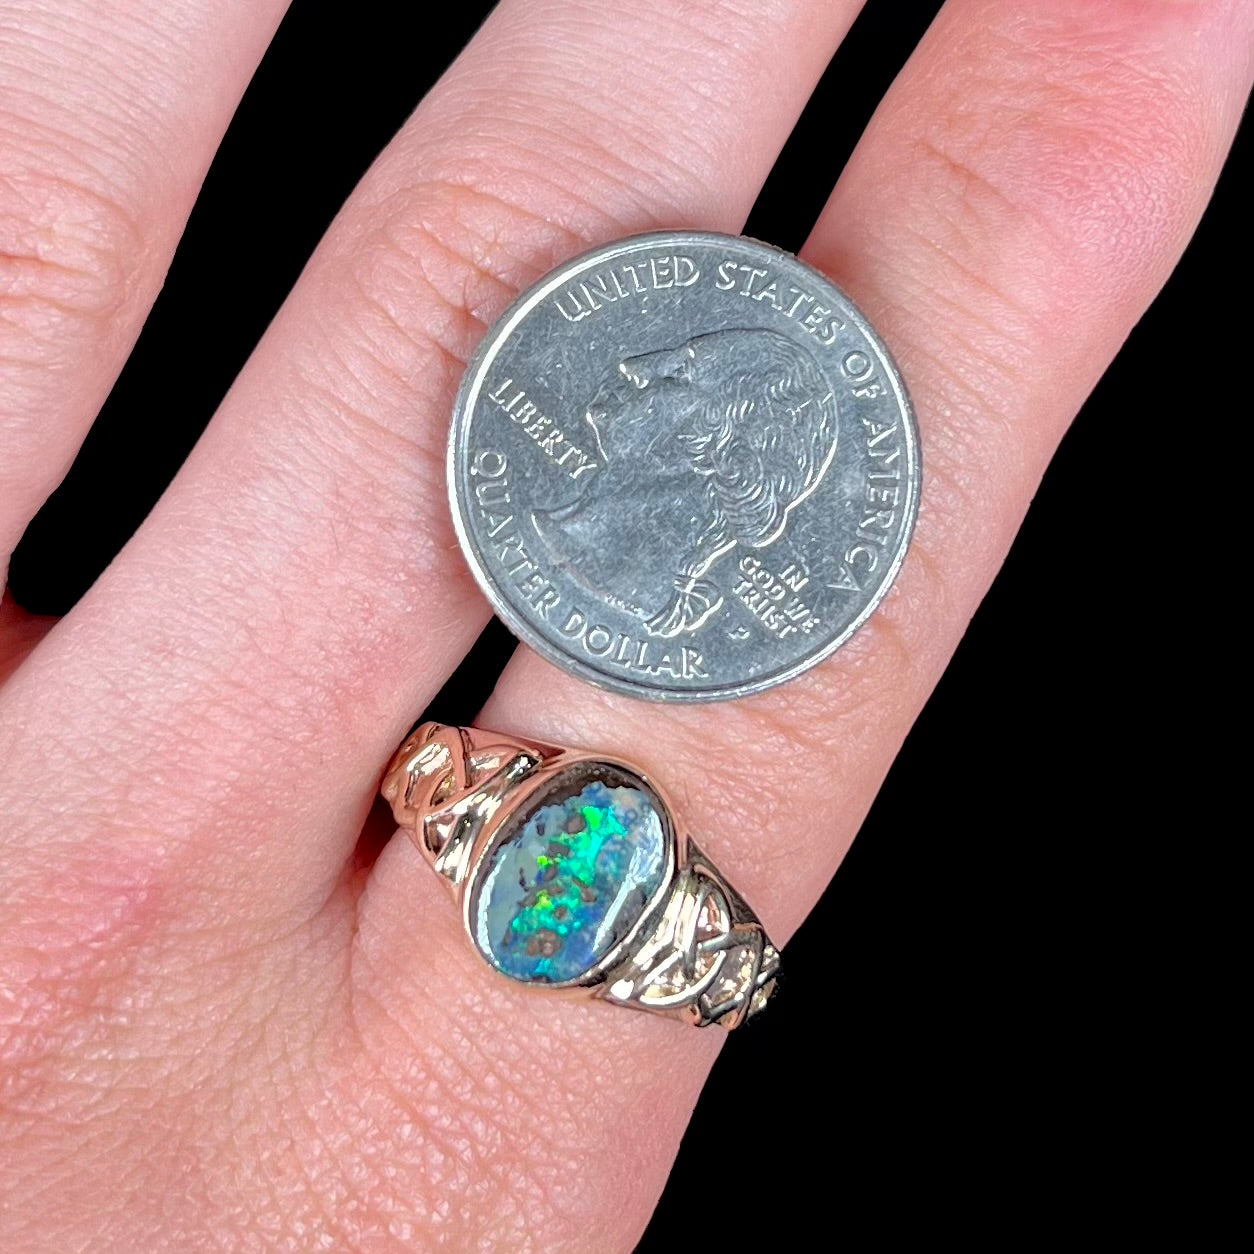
569,876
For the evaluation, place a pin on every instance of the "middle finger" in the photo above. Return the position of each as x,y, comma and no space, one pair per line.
297,594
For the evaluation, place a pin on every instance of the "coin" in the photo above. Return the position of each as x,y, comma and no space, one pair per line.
683,466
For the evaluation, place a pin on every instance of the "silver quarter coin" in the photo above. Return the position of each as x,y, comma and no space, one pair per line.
683,466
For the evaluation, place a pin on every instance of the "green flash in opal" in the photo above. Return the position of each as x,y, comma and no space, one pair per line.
569,878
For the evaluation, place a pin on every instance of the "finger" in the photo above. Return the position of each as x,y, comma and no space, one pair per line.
109,116
301,578
1016,203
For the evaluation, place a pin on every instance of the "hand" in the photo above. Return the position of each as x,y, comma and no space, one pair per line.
222,1029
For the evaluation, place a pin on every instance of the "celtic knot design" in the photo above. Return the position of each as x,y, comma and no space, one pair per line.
445,790
707,960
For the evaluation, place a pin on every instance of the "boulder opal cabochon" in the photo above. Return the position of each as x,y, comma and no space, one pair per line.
570,875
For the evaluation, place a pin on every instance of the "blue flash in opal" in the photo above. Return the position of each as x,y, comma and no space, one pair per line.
571,876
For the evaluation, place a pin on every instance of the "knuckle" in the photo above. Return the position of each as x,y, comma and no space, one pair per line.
1046,175
438,264
1081,142
413,294
407,298
69,256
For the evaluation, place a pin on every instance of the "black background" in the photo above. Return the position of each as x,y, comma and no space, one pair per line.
973,987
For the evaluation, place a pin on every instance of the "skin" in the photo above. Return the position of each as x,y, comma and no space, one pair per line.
217,1029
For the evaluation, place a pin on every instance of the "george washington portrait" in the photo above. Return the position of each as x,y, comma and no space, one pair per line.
703,448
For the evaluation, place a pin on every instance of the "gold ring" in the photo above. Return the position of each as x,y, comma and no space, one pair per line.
572,873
